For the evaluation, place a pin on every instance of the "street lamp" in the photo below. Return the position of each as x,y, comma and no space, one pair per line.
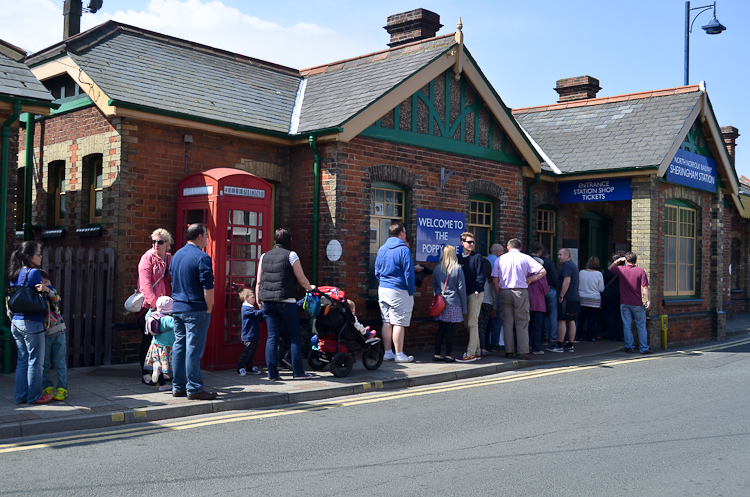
714,27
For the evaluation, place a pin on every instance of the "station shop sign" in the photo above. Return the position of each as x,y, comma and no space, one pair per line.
594,190
692,170
435,230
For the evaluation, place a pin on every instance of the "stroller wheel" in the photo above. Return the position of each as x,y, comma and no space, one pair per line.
372,358
341,364
317,360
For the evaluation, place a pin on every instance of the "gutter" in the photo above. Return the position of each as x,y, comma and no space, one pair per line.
316,209
3,227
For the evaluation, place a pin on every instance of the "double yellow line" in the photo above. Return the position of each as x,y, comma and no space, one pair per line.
332,404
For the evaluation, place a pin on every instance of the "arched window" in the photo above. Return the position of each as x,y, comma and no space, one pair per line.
482,222
679,249
387,206
96,192
57,170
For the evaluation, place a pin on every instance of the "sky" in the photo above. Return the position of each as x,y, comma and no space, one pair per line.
523,48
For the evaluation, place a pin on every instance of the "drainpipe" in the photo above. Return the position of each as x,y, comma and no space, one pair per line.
316,209
28,232
537,179
3,227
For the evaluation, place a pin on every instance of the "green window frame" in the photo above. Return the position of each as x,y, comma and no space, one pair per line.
482,222
58,170
680,223
546,227
96,188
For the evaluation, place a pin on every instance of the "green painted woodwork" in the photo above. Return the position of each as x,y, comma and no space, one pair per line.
695,141
547,207
681,203
483,198
388,185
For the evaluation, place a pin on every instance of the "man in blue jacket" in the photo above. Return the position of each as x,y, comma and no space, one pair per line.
394,270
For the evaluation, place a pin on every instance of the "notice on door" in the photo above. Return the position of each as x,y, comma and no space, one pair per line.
594,190
435,230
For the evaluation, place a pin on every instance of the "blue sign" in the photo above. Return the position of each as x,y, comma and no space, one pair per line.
692,170
435,230
594,190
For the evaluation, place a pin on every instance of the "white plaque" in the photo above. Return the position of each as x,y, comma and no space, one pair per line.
333,251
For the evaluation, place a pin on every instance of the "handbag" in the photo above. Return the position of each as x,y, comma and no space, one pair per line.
134,303
25,300
438,302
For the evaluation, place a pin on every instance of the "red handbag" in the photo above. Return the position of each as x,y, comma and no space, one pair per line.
438,302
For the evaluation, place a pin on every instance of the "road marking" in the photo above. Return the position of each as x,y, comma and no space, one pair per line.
334,403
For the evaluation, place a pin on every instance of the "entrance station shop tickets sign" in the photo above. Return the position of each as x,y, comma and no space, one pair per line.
594,190
692,170
435,230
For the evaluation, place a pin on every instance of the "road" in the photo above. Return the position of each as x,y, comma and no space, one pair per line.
663,425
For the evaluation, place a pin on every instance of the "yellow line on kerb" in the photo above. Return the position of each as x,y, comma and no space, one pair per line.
331,404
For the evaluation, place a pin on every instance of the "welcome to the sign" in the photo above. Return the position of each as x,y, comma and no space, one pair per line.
435,230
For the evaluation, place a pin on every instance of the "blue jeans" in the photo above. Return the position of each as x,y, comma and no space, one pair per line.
55,356
550,317
635,313
190,331
536,320
282,317
29,336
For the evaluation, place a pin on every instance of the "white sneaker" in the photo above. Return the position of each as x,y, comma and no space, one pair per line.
242,372
389,355
255,370
155,374
403,358
165,387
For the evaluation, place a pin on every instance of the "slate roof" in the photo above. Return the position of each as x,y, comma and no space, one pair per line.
17,80
338,91
611,133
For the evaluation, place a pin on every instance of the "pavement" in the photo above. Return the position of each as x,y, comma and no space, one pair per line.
113,396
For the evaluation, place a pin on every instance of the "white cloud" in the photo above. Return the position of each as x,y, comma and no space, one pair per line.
31,24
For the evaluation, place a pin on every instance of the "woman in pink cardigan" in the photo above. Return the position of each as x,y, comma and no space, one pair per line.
154,281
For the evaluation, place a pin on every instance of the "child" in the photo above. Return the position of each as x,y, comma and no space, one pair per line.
251,319
159,356
367,333
55,349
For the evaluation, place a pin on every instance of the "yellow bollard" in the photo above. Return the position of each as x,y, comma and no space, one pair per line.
664,328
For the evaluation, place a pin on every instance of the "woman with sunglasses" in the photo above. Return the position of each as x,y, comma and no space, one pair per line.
154,281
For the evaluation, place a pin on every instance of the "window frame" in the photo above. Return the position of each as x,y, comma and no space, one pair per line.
92,161
673,229
385,186
485,200
552,248
58,168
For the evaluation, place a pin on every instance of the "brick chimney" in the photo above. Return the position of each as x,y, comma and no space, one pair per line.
730,134
414,25
580,88
72,12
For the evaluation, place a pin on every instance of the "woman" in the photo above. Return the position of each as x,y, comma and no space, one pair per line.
448,281
28,329
279,272
538,289
154,281
590,288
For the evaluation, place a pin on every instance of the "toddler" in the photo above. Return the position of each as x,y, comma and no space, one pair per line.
251,319
55,347
159,356
367,333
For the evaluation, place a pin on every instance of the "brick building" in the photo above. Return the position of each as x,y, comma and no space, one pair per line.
647,172
417,126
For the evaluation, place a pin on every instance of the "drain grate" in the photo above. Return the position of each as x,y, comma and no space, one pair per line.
115,373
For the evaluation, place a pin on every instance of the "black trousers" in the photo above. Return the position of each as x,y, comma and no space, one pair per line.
246,357
445,331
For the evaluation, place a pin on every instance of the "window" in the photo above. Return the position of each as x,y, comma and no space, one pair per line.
386,207
545,229
57,169
679,248
481,222
96,193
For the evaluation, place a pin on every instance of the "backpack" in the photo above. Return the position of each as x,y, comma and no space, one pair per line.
153,324
311,304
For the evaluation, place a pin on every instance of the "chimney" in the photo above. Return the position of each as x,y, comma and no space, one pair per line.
580,88
414,25
730,134
72,11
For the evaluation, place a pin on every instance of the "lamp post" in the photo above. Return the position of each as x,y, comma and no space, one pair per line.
714,27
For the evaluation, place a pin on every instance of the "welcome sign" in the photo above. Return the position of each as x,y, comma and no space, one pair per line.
594,190
692,170
435,230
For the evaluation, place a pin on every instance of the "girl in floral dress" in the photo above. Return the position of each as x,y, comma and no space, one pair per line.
159,356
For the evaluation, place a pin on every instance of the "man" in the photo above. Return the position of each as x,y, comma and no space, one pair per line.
611,303
511,275
473,267
395,273
193,294
496,324
567,302
550,318
633,283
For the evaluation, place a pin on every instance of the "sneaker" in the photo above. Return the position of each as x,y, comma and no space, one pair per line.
164,388
155,374
389,355
467,358
49,390
577,340
569,349
46,397
403,357
538,352
556,348
61,394
242,372
255,370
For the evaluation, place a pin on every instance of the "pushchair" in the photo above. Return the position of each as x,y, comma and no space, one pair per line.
335,340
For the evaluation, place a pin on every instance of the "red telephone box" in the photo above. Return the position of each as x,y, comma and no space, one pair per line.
236,208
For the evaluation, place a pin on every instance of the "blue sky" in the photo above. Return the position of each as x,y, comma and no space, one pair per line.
522,47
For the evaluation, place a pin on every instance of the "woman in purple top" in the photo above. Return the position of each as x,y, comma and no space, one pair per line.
538,289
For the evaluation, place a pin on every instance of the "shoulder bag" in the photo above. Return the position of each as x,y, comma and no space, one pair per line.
134,303
25,300
438,302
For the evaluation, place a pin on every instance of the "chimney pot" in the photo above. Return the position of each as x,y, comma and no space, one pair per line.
730,134
578,88
415,25
72,11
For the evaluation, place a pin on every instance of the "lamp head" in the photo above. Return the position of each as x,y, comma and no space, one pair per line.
714,27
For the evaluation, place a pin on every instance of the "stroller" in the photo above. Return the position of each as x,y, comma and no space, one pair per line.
335,340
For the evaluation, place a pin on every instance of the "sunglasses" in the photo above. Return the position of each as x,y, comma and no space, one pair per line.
158,242
470,242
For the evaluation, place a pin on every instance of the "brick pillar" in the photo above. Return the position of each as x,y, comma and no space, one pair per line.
415,25
716,291
646,217
730,134
579,88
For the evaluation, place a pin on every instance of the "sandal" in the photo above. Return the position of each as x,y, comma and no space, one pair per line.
437,358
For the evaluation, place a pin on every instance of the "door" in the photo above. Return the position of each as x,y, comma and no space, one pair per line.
593,238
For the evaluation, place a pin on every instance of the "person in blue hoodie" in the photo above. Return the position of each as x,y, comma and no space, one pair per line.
394,270
251,319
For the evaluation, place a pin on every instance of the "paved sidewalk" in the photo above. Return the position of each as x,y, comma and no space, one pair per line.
109,396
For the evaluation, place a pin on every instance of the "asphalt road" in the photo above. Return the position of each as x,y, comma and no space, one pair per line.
627,425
